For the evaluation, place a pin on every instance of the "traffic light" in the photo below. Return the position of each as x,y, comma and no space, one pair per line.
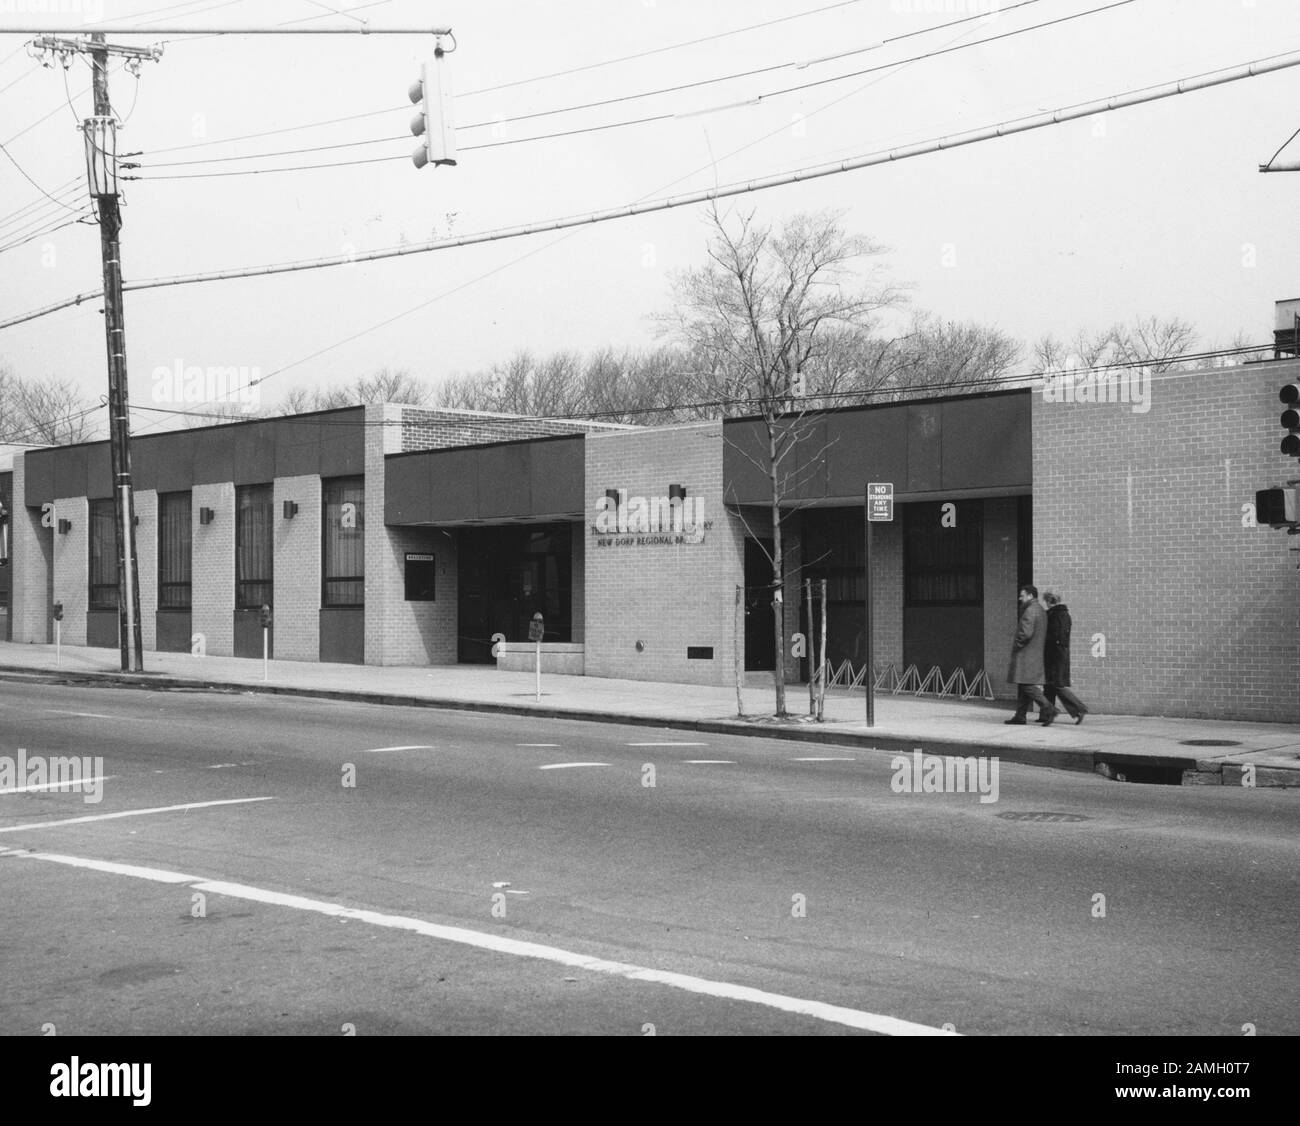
434,121
1290,395
1277,508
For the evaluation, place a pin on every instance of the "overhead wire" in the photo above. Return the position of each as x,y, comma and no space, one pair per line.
147,168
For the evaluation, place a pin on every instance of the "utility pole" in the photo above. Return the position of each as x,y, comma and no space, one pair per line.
101,173
130,640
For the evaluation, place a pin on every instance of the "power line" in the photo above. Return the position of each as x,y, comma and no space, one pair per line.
147,168
22,240
988,133
607,62
30,180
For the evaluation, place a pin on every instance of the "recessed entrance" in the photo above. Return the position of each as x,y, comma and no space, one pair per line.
508,573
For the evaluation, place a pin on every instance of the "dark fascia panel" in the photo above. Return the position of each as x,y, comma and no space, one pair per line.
408,490
988,443
99,472
38,477
501,481
559,475
213,454
921,447
70,472
326,443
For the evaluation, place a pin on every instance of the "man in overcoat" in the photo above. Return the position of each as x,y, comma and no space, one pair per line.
1056,658
1026,669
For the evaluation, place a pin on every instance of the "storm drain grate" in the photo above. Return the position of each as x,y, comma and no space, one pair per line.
1208,743
1043,817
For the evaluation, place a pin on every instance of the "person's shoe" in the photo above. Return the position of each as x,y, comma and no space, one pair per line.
1051,714
1016,719
1079,718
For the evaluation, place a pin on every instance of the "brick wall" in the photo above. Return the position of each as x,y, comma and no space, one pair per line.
31,555
72,567
667,596
428,429
400,632
1000,590
297,569
1138,525
146,553
212,576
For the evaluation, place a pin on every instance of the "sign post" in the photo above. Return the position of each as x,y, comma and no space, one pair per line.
536,629
880,509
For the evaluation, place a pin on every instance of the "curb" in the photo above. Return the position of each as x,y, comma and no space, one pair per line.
1170,770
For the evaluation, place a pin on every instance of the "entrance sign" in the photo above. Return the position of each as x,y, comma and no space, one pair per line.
880,501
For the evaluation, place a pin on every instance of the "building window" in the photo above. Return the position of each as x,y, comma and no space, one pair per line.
254,554
343,548
943,566
103,556
175,538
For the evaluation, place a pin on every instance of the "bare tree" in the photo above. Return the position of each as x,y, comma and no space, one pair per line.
50,412
759,315
385,386
1156,342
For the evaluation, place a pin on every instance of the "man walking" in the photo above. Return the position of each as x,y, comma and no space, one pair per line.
1026,670
1056,658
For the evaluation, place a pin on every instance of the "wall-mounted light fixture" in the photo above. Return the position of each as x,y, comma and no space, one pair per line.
612,494
65,526
206,515
290,509
676,492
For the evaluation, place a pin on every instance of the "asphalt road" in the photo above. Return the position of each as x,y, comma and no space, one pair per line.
497,887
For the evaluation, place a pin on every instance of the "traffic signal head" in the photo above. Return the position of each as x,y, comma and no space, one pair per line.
1277,508
434,121
1290,395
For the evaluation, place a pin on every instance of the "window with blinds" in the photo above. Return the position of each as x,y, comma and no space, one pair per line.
103,556
175,551
343,548
254,550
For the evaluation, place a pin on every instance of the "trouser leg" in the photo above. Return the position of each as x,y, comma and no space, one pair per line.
1074,705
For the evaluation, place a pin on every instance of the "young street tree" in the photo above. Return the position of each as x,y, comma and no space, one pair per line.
764,310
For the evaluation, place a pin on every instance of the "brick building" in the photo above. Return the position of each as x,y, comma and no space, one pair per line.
391,535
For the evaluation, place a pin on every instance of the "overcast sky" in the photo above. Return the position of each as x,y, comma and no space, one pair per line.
1158,209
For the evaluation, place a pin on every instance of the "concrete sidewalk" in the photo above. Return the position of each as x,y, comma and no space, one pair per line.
1137,748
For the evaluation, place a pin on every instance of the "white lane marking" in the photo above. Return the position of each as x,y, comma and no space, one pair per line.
127,813
537,744
668,744
500,944
83,715
77,785
569,765
413,747
823,760
710,762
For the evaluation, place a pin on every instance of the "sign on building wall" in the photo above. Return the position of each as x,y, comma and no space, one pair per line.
621,520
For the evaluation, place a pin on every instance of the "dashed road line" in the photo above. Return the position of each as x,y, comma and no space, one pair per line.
569,765
824,760
384,750
668,744
537,744
710,762
128,813
500,944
